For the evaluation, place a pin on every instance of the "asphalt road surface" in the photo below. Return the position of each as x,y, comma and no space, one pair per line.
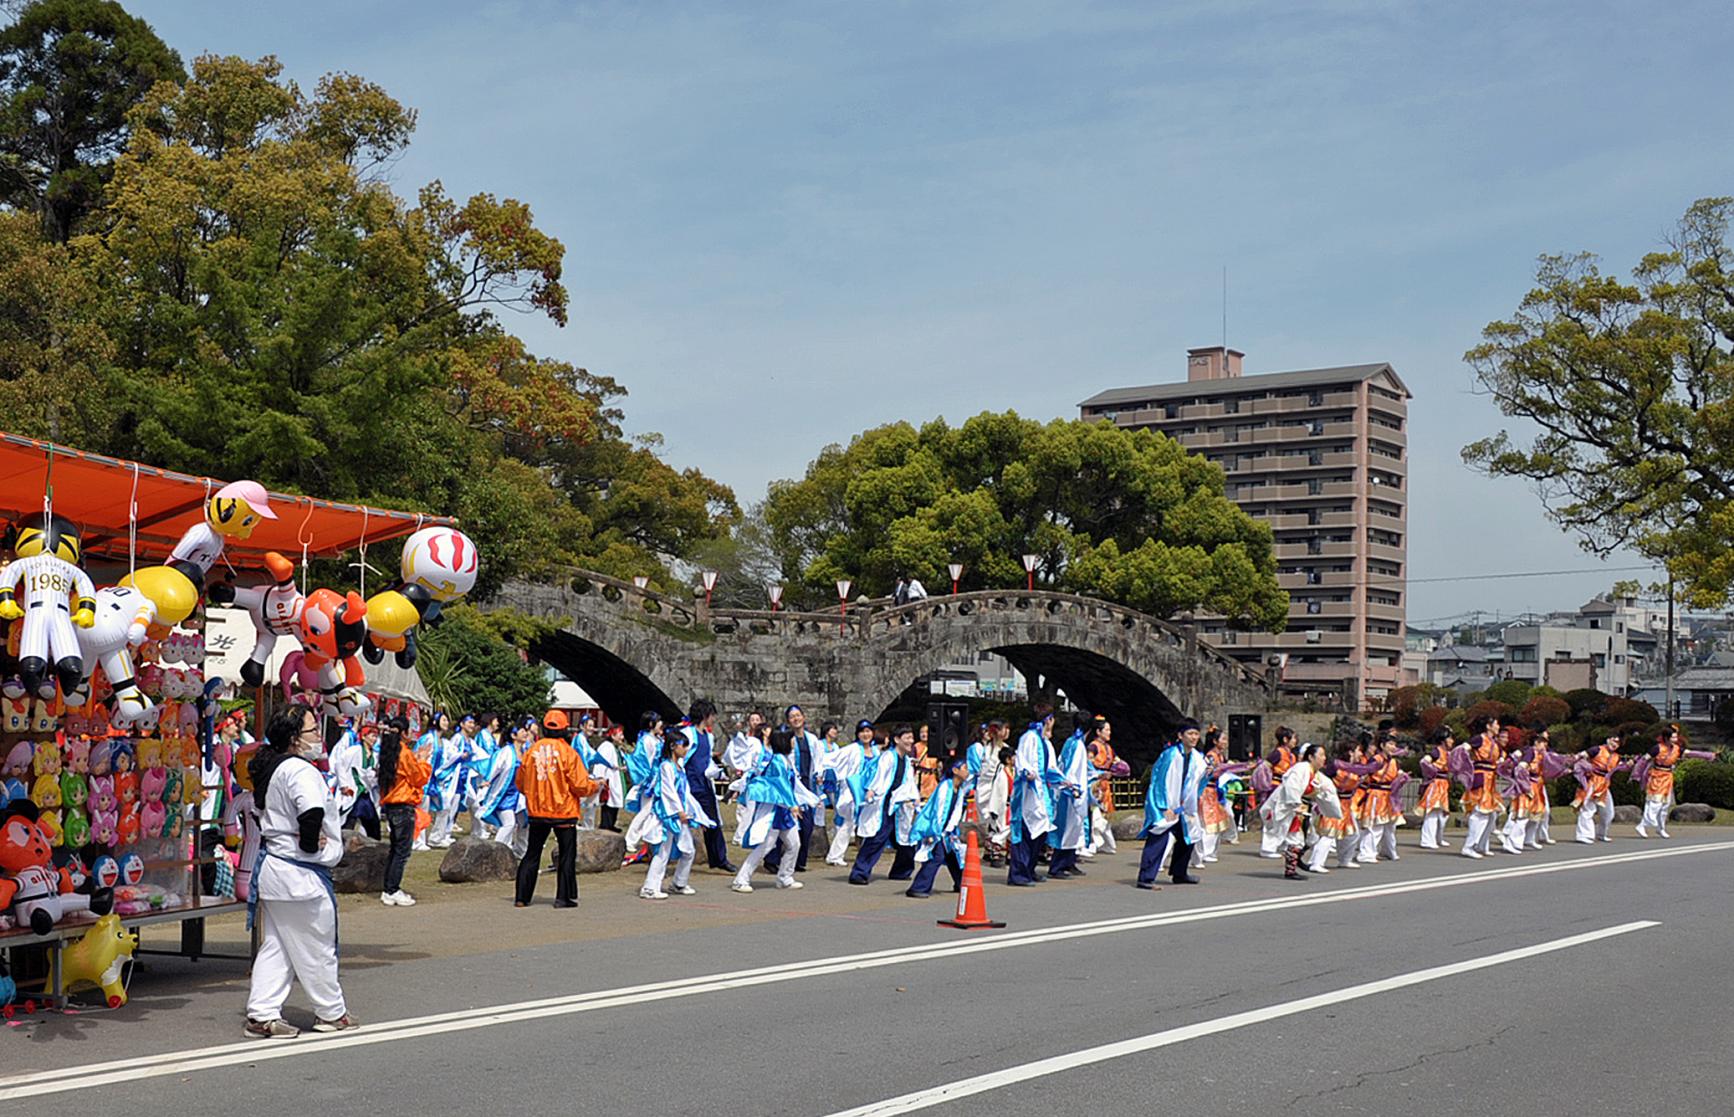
1575,979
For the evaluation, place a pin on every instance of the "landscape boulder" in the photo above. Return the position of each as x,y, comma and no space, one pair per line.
363,866
1692,812
473,859
1628,815
601,851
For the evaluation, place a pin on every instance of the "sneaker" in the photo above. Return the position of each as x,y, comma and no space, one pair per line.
389,899
1642,833
1608,839
342,1024
1472,853
1550,841
687,890
646,894
740,888
404,899
270,1029
790,884
1320,869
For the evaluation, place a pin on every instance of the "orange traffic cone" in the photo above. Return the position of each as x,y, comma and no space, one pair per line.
971,899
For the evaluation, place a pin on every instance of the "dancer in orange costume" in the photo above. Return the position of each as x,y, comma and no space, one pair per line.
1481,785
1434,804
1595,770
1379,812
1655,772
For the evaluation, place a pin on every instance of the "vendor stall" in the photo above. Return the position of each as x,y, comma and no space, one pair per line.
115,793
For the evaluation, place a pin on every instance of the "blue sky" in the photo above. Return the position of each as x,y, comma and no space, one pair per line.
787,222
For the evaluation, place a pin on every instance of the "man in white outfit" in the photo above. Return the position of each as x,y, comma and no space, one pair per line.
291,893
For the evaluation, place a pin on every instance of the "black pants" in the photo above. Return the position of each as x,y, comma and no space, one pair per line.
1155,845
401,818
365,816
606,818
716,849
1063,861
210,841
868,855
929,872
1023,860
775,860
565,860
903,863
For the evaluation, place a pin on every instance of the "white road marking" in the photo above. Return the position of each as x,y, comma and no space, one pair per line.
90,1076
980,1084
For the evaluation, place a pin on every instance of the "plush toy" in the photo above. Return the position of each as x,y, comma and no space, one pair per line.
58,597
275,610
132,869
78,756
98,960
37,894
17,713
122,617
104,872
333,627
48,759
44,715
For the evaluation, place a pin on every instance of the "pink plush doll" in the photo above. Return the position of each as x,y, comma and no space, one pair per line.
152,784
153,820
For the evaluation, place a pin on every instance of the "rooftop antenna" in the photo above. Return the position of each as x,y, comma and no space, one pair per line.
1225,307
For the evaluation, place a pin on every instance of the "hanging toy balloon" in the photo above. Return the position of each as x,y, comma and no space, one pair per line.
58,598
275,610
333,628
393,616
231,513
124,615
441,560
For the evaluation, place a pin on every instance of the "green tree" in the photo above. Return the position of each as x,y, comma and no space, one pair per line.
1631,389
1126,515
467,668
70,71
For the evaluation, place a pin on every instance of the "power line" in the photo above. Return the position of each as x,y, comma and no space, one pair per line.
1526,574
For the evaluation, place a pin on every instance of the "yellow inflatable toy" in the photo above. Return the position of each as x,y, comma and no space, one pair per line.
98,960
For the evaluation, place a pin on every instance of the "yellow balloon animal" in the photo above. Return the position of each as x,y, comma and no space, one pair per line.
98,960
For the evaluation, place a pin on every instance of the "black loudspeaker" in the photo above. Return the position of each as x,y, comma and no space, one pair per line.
1245,732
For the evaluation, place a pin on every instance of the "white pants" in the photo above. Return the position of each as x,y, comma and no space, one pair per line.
1378,840
840,840
1270,843
1538,826
1656,813
439,831
1433,830
1101,832
512,833
659,866
1515,832
790,840
298,943
1207,845
1594,818
1480,836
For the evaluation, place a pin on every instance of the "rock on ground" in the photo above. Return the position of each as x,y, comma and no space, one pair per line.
1629,815
601,851
363,866
473,859
1692,812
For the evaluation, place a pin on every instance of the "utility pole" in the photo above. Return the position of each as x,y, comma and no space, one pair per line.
1668,712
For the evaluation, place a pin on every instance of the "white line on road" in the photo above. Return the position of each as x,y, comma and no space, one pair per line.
90,1076
981,1084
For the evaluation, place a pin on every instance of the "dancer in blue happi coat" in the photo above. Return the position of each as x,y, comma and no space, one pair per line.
772,804
502,803
444,787
934,833
1071,830
1171,809
887,793
667,817
803,754
1032,797
701,773
842,767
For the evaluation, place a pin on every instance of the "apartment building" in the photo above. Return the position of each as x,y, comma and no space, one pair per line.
1322,456
1607,644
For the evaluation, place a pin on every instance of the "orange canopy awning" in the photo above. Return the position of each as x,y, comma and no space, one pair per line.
96,492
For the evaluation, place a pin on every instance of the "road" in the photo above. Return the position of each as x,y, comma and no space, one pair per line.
1574,979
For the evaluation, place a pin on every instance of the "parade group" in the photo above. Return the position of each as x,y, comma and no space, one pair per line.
1033,801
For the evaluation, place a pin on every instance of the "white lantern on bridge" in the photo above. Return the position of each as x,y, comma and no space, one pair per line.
1030,564
956,572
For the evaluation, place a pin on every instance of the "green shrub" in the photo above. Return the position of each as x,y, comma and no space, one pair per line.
1491,708
1544,710
1618,710
1512,692
1705,781
1585,702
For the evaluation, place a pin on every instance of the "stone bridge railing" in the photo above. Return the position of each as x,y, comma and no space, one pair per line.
870,618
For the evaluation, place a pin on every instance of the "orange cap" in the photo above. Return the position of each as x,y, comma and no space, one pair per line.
555,719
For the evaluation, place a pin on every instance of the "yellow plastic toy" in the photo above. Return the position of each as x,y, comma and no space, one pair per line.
98,960
170,590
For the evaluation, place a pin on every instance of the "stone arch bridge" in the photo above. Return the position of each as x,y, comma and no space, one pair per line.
635,650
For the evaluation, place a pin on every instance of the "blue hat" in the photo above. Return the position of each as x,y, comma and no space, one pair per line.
864,723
